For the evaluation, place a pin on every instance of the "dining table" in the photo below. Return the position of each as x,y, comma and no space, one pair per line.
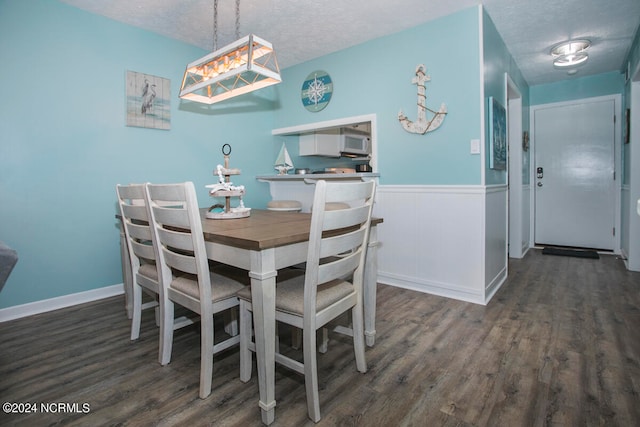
263,243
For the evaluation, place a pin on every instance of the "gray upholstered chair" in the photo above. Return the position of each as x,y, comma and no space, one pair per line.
8,259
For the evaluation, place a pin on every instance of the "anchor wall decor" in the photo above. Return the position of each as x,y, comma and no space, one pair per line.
423,125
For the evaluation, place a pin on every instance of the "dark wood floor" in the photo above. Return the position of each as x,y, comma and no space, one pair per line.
559,345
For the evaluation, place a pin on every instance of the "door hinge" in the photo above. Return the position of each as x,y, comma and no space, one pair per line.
614,231
614,175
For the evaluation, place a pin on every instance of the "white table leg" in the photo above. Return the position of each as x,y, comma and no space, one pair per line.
369,289
263,292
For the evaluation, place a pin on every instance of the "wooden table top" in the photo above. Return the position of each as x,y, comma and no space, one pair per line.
263,229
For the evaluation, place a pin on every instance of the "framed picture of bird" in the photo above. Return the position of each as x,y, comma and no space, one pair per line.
148,101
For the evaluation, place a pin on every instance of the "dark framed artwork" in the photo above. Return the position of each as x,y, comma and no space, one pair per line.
627,126
525,140
497,135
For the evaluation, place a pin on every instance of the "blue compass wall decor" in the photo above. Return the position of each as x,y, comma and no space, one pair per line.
317,89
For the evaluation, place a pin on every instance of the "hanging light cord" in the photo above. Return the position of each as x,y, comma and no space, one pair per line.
215,25
237,19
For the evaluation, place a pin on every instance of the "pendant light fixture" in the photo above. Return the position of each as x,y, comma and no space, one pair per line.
243,66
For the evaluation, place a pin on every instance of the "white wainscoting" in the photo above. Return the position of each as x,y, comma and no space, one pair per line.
495,254
629,229
443,240
625,242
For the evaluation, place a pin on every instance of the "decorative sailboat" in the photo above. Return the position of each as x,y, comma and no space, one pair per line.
283,162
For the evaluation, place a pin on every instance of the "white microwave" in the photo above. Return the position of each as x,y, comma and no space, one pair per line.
352,144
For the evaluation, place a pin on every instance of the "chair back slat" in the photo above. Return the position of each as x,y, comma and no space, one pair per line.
132,193
135,212
339,268
143,250
138,230
345,217
350,194
173,216
339,244
177,239
184,263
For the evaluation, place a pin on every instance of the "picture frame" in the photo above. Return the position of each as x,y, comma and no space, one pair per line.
148,100
497,135
627,126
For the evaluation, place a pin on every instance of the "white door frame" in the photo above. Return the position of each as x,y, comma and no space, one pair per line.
633,186
515,212
617,100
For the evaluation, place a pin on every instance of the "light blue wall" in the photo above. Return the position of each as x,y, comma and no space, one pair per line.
578,88
64,144
498,62
375,78
634,54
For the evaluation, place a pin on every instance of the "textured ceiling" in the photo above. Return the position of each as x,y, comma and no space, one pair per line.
301,30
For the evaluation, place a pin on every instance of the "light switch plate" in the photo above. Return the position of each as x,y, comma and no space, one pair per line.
475,146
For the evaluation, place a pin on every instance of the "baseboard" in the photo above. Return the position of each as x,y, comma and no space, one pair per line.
37,307
495,284
432,288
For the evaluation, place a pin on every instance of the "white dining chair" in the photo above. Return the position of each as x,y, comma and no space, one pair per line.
142,258
296,334
186,274
139,250
331,285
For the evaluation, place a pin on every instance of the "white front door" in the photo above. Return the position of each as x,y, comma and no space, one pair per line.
574,175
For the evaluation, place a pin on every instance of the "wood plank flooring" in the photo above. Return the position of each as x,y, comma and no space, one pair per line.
559,345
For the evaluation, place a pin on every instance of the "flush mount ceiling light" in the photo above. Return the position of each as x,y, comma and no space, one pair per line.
570,53
243,66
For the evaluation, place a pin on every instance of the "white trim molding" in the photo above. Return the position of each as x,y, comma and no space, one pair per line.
43,306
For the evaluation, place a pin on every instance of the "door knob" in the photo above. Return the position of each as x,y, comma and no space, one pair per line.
539,184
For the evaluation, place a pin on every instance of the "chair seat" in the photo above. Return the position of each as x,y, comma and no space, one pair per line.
290,294
284,205
149,270
225,287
